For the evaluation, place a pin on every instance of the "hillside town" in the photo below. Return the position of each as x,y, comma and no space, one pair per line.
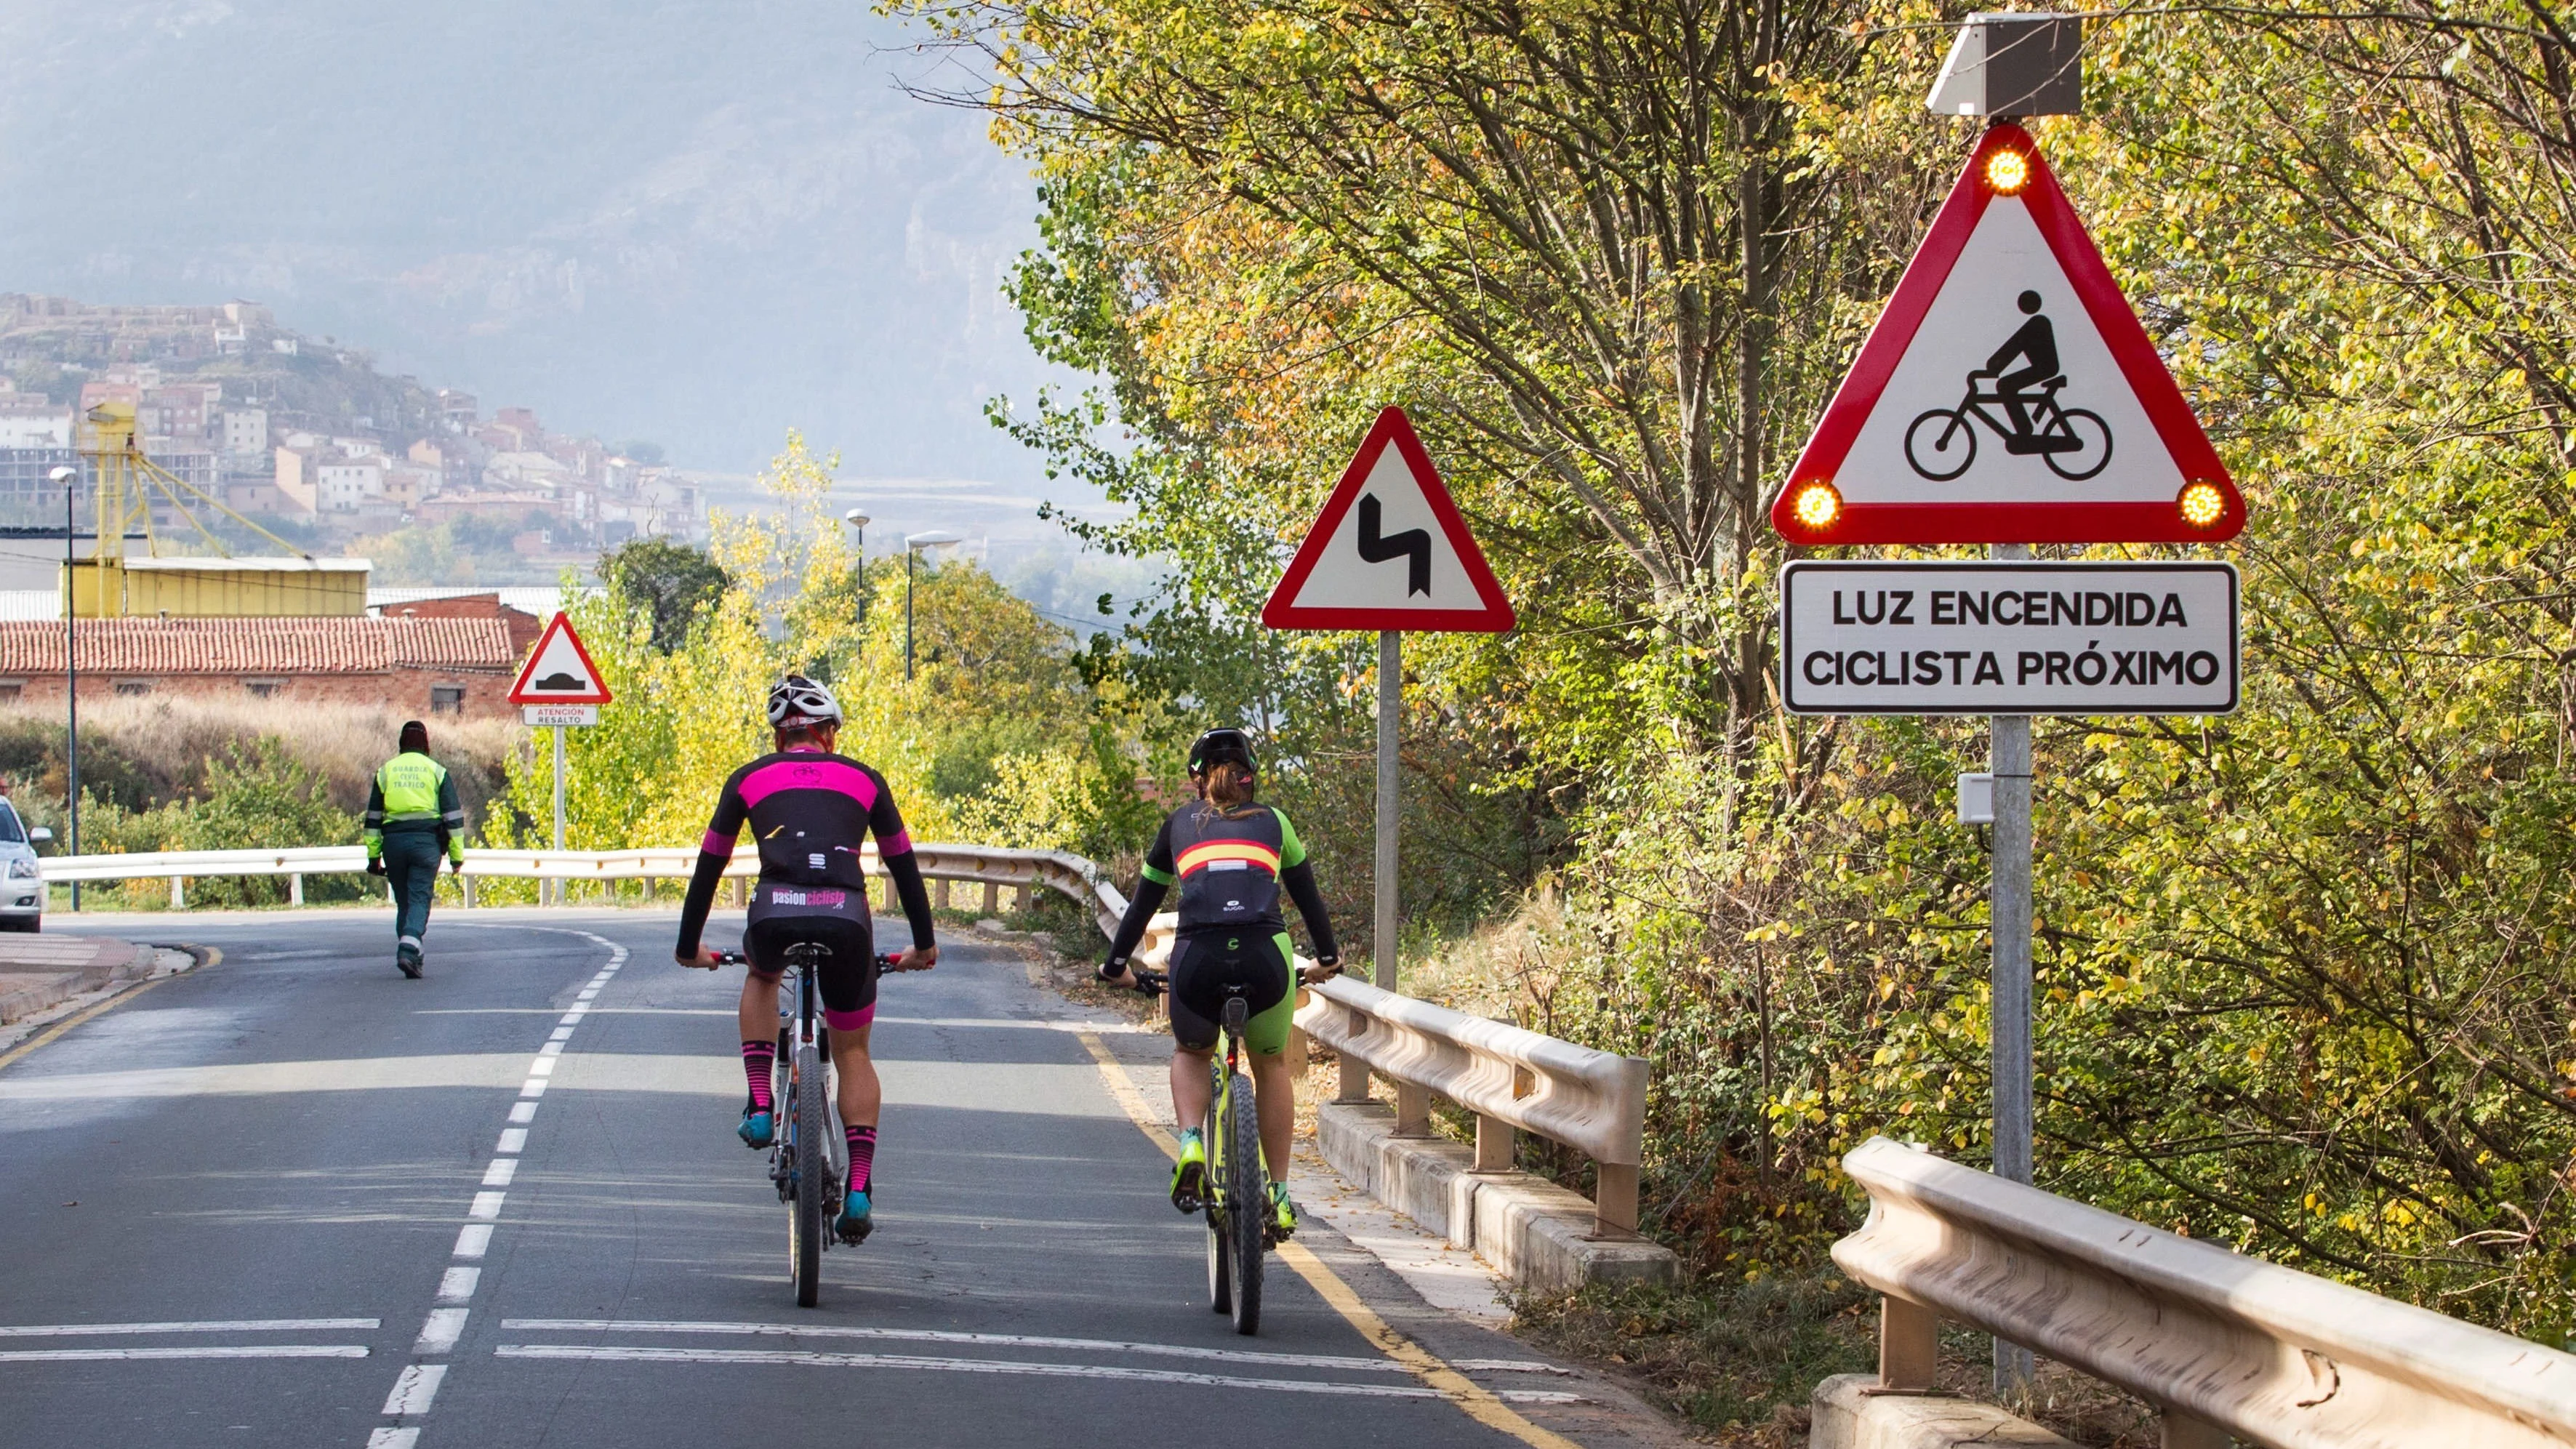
303,437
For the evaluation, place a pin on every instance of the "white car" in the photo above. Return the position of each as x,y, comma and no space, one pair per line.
22,887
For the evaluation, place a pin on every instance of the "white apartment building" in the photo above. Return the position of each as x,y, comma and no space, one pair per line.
346,485
246,430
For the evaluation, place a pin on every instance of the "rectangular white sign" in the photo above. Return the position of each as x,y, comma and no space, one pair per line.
559,714
2008,637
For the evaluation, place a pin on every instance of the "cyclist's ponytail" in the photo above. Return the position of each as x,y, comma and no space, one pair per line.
1229,785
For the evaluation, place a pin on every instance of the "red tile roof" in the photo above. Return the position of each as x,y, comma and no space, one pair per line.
259,646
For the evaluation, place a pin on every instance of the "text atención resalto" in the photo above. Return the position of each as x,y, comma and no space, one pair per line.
2008,638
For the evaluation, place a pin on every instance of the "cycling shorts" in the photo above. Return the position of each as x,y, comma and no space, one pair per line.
833,917
1209,966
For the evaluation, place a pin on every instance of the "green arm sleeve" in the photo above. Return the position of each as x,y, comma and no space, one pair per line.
1292,851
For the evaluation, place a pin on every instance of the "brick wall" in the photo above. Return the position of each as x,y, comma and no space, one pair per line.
407,690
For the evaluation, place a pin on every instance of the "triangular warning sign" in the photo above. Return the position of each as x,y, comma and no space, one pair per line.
1389,551
2008,393
559,670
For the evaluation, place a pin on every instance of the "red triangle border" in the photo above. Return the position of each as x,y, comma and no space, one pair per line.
562,624
2108,307
1391,428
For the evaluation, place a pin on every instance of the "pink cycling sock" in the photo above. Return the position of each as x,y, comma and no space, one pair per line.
759,1062
863,1155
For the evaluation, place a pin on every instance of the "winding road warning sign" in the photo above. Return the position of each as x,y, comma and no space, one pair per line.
1389,550
559,670
2008,393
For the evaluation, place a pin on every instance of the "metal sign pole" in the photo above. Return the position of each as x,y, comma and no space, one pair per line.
559,801
2008,917
1390,693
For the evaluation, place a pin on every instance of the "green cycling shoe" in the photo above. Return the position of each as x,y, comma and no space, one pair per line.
1283,1213
1189,1172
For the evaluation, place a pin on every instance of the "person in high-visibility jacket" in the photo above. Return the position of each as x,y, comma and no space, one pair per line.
412,819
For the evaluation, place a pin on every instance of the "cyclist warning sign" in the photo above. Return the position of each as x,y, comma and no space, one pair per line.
2008,393
559,672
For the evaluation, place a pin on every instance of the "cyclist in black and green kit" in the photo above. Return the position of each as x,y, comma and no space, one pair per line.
1230,855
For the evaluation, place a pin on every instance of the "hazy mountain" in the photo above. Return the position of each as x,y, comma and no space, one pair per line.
699,222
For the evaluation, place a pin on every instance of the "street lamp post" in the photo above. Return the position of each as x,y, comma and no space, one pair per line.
913,544
857,519
70,479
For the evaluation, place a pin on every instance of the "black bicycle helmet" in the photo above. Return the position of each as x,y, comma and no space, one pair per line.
1219,745
796,702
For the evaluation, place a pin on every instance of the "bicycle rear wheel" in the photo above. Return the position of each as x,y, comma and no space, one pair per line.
1246,1201
805,1216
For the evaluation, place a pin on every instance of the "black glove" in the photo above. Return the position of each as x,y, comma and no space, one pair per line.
376,865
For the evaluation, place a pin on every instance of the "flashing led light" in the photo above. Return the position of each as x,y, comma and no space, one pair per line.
1817,505
2007,172
2201,504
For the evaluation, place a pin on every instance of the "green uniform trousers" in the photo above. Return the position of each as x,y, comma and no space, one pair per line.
411,867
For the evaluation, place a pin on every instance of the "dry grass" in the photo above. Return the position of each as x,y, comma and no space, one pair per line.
145,752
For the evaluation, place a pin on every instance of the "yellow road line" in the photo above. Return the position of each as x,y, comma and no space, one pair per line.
85,1013
1472,1399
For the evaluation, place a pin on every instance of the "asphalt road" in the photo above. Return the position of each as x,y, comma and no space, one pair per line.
291,1199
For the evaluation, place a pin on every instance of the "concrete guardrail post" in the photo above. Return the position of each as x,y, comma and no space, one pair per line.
178,893
1497,1144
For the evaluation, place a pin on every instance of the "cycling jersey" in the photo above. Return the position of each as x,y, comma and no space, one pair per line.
809,813
1230,866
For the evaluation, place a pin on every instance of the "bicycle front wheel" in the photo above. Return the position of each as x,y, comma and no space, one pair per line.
813,1162
1247,1201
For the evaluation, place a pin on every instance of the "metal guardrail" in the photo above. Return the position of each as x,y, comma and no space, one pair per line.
1510,1077
2224,1344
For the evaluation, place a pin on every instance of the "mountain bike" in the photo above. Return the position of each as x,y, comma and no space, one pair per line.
2074,442
809,1159
1235,1197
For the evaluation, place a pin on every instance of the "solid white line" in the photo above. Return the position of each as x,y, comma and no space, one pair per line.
211,1325
440,1332
1007,1340
513,1139
393,1439
500,1172
273,1350
457,1284
486,1205
796,1358
473,1240
417,1386
523,1111
535,1088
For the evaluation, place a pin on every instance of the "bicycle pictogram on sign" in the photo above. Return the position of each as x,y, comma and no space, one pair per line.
2075,443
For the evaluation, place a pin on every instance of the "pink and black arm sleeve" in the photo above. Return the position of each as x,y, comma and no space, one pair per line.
894,847
714,854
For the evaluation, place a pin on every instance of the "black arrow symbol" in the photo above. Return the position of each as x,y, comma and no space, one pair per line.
1413,544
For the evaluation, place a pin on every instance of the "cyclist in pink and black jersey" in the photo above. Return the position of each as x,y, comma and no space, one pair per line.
810,811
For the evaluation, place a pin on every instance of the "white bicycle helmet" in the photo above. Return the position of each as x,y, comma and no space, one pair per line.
795,702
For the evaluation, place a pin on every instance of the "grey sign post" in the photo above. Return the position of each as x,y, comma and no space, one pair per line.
2009,639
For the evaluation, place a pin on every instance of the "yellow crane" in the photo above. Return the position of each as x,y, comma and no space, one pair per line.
128,485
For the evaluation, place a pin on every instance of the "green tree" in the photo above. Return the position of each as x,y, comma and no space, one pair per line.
670,582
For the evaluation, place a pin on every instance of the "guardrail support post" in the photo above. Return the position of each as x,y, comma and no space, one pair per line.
2189,1431
1412,1111
992,898
295,888
1354,1085
1496,1140
178,893
467,883
1909,1345
941,899
1614,1200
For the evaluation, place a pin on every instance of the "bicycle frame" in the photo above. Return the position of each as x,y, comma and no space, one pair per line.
2046,416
